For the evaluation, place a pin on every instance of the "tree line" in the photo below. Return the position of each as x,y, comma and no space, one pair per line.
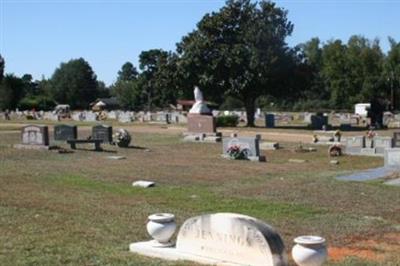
239,57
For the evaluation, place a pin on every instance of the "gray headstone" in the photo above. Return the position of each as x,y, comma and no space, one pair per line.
65,132
382,143
355,144
250,144
102,132
35,135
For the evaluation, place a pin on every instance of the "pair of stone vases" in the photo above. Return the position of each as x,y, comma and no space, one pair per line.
308,250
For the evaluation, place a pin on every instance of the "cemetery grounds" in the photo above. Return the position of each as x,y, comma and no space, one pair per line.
80,208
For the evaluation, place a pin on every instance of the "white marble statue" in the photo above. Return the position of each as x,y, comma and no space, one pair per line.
199,107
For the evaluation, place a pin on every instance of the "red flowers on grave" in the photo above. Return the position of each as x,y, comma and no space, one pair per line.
236,153
371,134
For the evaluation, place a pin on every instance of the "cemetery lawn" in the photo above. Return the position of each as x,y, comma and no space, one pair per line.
80,209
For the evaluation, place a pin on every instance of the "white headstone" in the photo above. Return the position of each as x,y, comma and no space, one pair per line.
232,238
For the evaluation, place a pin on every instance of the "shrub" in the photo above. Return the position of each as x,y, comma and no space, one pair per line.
227,121
36,102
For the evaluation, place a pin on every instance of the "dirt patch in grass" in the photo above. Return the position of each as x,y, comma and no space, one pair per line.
372,248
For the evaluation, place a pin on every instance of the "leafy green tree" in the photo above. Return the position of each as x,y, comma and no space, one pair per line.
391,72
39,102
365,64
102,90
129,94
239,51
128,72
127,89
310,54
1,68
74,83
12,90
157,68
334,72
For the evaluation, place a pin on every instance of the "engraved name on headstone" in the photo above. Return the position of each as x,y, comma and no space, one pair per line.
102,132
35,135
251,145
65,132
233,238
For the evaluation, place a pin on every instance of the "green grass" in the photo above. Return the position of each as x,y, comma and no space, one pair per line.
80,208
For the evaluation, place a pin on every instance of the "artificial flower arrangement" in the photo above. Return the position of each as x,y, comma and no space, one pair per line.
236,152
122,138
371,134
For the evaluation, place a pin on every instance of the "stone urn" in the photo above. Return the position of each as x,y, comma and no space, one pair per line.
309,251
161,226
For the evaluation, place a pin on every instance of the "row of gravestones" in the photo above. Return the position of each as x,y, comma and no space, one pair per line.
70,132
372,146
39,134
317,122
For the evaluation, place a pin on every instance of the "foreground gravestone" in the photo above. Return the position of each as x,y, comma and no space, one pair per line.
102,132
34,137
222,239
249,145
65,132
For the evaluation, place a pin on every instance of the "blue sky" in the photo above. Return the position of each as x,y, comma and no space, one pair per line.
36,36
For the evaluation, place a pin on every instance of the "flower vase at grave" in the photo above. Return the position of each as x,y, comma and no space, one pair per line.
309,251
161,226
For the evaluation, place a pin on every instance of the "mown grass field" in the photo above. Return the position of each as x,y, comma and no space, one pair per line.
80,209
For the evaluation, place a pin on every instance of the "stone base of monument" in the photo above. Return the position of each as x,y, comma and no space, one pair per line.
260,158
31,147
202,137
226,239
171,253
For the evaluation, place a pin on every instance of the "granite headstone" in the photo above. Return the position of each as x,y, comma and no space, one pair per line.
102,132
251,146
35,135
65,132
